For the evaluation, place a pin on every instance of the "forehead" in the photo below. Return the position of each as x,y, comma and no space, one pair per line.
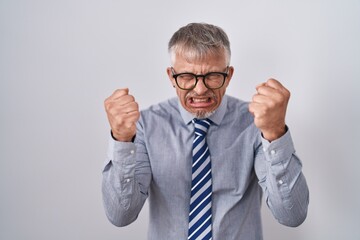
193,54
189,63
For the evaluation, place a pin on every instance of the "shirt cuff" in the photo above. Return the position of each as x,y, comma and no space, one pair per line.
278,150
120,153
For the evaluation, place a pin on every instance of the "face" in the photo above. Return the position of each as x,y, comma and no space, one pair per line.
200,101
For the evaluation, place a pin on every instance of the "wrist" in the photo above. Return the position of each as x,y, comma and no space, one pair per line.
120,138
274,133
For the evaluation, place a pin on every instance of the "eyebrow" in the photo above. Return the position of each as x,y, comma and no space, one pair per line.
174,72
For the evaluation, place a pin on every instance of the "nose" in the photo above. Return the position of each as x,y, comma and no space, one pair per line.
200,87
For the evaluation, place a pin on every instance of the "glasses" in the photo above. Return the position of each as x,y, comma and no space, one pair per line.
211,80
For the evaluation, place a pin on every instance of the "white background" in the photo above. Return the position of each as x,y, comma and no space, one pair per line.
59,60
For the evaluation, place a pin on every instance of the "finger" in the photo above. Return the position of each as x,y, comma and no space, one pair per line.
116,95
267,91
251,108
260,98
119,93
122,111
124,119
118,104
121,101
130,107
278,86
124,100
133,116
273,83
260,85
256,108
113,108
131,119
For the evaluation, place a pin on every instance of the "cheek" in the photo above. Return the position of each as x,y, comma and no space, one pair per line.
219,94
181,94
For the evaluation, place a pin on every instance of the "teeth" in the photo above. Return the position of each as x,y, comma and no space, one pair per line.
200,100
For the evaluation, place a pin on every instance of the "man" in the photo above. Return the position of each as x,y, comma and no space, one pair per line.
204,158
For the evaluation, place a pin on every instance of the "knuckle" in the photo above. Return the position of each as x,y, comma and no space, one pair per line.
264,112
108,105
254,98
260,89
287,93
131,98
271,104
116,92
272,81
119,122
112,112
284,96
280,97
127,99
120,92
107,100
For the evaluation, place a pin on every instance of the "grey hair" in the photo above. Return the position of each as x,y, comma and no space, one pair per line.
196,41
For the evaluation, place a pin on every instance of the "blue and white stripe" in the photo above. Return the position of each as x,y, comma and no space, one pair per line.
201,188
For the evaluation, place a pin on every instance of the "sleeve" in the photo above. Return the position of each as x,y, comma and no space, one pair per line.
126,180
279,171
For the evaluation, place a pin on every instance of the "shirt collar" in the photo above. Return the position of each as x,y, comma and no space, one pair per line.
216,117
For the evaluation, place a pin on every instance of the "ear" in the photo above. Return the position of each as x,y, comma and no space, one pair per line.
170,76
230,75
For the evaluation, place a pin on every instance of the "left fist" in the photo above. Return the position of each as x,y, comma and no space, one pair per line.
269,108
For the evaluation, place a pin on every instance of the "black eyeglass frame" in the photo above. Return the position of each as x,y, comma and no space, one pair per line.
203,76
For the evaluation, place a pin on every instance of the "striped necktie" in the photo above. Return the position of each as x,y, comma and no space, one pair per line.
201,189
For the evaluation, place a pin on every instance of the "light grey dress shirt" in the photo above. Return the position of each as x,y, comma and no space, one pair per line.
157,166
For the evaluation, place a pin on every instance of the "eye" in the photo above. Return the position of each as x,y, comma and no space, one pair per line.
186,77
214,76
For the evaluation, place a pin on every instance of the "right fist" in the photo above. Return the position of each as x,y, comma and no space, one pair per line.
122,112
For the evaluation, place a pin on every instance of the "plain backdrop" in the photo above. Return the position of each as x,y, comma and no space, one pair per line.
59,60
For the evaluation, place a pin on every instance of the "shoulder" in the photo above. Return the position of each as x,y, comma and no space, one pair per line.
161,111
237,105
238,111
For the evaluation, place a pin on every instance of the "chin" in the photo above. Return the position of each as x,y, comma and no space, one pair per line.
202,114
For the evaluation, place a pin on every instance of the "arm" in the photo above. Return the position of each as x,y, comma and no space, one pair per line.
277,166
279,172
127,173
126,179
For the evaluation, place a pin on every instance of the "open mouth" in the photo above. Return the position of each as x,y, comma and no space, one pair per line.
201,102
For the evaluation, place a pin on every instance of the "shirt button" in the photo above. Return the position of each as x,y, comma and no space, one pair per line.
264,149
272,152
132,152
280,181
127,180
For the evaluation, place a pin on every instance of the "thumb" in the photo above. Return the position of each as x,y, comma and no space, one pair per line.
260,85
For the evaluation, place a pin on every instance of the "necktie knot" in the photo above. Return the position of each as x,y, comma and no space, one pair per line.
201,126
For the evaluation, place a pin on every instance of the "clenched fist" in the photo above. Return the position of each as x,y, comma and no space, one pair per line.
123,112
269,109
